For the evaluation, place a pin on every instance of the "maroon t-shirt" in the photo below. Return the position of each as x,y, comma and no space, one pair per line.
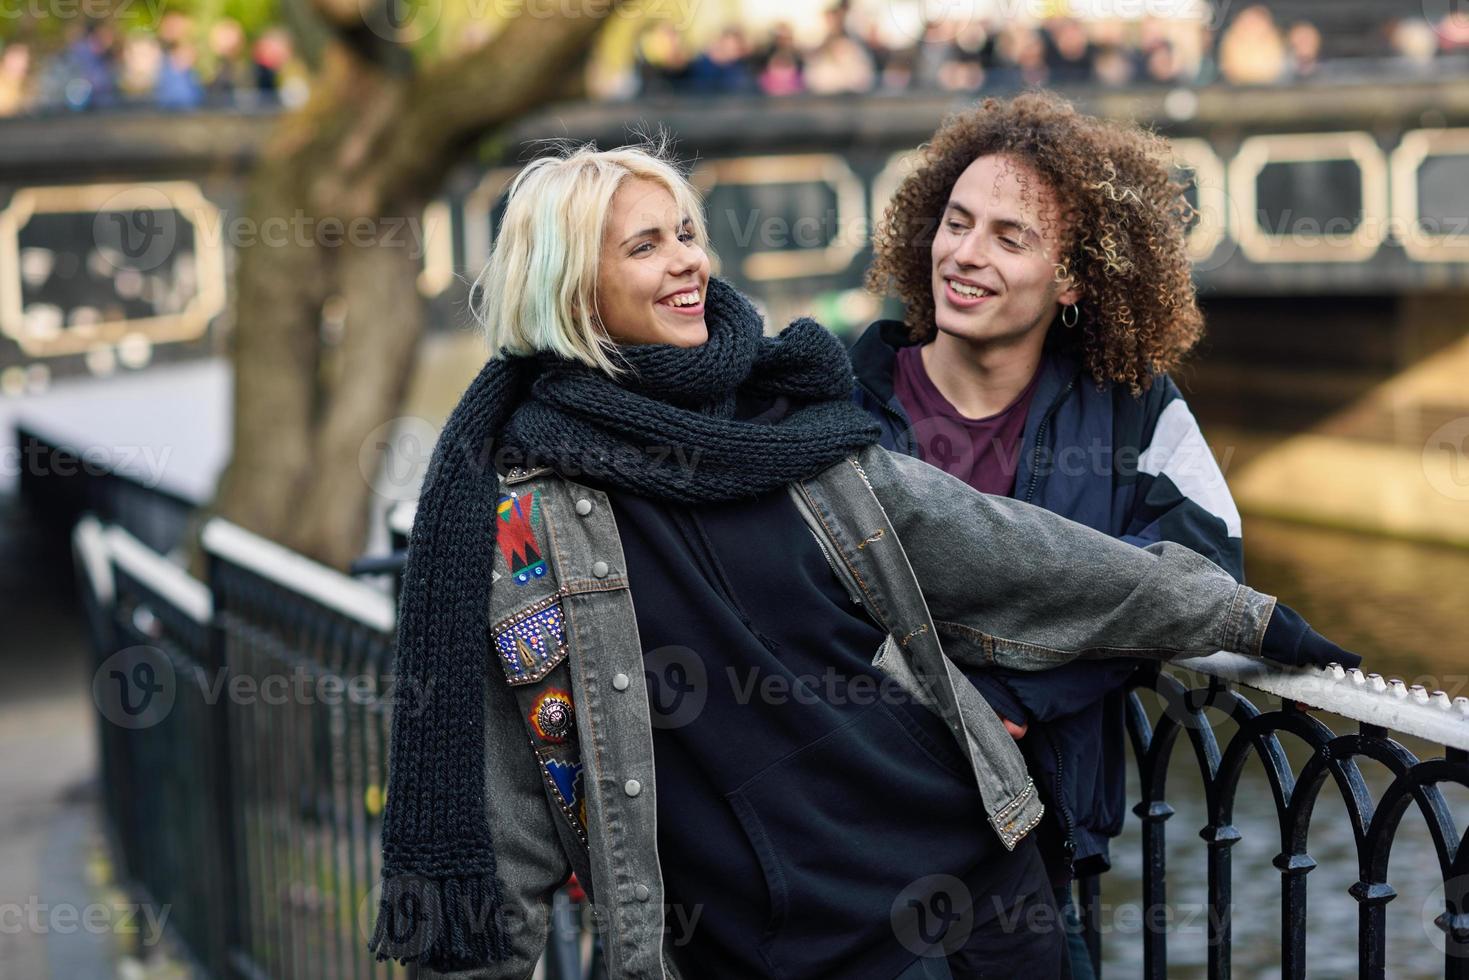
981,452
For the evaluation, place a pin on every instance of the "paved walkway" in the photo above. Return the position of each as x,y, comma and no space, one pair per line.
55,920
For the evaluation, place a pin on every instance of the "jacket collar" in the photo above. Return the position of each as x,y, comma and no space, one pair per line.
874,362
875,357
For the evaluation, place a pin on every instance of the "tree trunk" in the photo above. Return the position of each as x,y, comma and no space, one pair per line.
327,315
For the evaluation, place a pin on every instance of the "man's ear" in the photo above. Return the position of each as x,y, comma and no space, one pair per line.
1071,290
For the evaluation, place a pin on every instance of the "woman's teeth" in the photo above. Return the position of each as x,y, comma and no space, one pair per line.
684,299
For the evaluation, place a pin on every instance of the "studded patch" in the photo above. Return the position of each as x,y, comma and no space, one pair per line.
565,780
533,642
520,517
551,716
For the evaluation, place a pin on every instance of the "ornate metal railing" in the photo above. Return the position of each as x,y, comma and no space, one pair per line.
1379,707
252,809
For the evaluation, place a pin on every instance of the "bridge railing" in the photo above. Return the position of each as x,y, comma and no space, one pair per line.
1379,708
244,747
244,758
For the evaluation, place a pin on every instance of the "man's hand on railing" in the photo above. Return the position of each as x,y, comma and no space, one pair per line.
1290,640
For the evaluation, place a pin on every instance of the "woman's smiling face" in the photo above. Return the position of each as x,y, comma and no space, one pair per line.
652,276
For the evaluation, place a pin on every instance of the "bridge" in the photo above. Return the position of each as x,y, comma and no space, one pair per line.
1331,252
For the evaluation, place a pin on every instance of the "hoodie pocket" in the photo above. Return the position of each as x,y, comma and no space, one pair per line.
840,828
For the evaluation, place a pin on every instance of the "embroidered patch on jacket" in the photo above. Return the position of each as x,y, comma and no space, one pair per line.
520,516
551,715
566,779
533,644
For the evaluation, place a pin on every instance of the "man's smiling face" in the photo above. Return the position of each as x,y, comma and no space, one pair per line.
995,254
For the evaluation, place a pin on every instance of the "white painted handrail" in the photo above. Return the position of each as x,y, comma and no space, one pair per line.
170,581
400,518
90,545
297,572
1362,697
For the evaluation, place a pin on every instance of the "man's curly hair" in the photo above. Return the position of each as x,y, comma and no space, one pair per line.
1124,221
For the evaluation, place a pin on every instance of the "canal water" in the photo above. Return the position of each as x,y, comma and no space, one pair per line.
1403,607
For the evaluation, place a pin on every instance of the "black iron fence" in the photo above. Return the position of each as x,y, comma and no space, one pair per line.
244,755
1380,708
244,748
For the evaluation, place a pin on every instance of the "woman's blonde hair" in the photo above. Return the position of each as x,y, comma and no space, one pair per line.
538,292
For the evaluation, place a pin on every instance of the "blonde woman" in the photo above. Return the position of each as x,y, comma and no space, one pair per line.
677,620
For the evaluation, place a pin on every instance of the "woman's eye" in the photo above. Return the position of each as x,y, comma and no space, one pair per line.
686,237
641,247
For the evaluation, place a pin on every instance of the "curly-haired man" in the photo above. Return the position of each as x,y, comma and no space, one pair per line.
1040,255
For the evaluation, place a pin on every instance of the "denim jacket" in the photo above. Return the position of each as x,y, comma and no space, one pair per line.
953,576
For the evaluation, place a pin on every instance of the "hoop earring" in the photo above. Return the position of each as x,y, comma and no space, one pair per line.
1075,315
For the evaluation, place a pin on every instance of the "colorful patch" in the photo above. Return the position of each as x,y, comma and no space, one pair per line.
566,779
520,515
552,717
532,645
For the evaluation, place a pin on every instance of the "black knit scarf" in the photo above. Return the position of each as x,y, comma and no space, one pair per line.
666,429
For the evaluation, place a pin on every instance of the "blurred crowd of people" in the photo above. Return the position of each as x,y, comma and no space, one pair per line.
182,65
857,54
103,66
